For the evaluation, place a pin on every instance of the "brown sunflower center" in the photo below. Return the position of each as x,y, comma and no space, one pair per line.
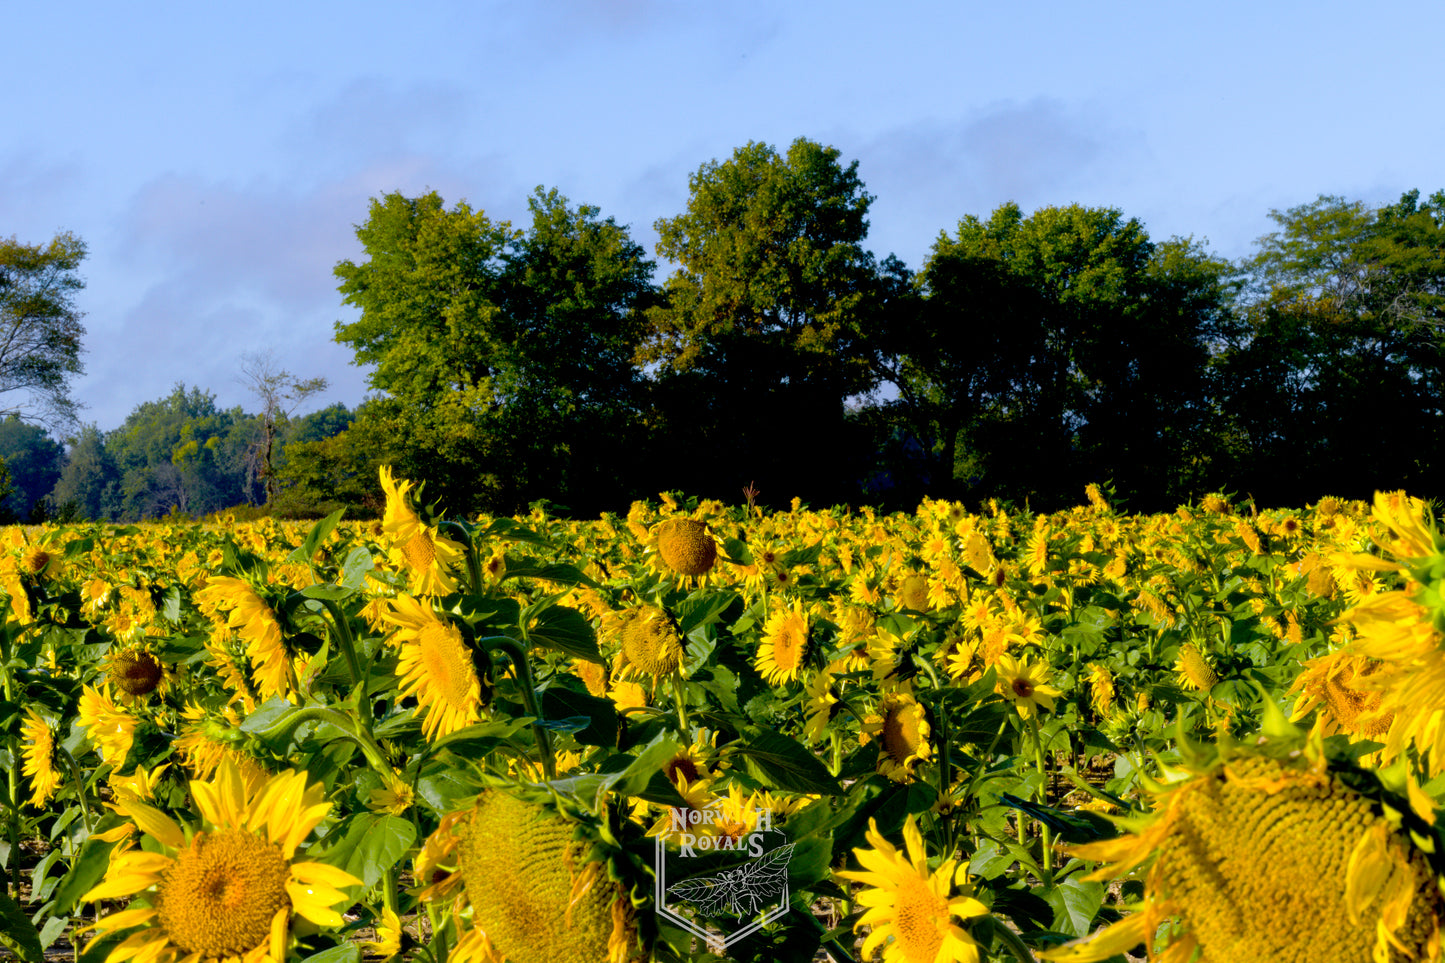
420,551
915,920
681,765
37,561
219,897
136,673
449,669
901,733
1023,688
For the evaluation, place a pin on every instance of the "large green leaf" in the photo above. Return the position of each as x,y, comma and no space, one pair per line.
89,866
367,845
18,933
566,630
780,762
600,714
306,551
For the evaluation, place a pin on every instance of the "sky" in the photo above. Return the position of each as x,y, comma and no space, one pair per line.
216,159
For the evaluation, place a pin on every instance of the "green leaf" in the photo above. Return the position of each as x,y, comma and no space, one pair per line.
353,570
18,933
566,630
526,567
601,714
443,788
368,845
1075,904
703,609
307,549
345,953
89,866
330,593
780,762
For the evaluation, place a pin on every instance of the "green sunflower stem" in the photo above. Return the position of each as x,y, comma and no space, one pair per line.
523,673
347,642
12,774
1013,944
680,698
836,950
288,724
79,782
1043,797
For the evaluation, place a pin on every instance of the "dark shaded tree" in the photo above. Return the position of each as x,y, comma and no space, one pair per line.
90,482
1059,349
34,461
767,327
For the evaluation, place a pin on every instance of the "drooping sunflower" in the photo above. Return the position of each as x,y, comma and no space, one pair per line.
821,701
248,615
1025,684
785,645
135,673
430,559
685,546
225,890
650,643
1402,632
436,667
901,727
541,885
1270,852
912,912
39,758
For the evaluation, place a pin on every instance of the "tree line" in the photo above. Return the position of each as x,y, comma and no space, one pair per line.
1030,354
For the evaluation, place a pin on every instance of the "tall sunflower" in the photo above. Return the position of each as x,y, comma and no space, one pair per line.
1025,684
430,559
436,667
227,889
248,615
110,728
1270,853
911,911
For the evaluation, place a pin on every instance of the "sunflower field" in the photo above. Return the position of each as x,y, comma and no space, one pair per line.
706,732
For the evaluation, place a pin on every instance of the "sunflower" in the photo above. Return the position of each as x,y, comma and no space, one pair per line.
248,615
1101,688
136,673
650,643
536,886
902,730
225,890
430,559
785,644
41,561
39,758
1194,668
910,911
436,667
821,701
912,592
1271,853
1025,684
111,729
685,546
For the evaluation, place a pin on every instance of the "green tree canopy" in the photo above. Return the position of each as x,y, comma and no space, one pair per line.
768,324
40,348
1062,348
34,460
501,357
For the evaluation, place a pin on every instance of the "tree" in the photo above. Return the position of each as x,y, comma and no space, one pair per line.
280,393
40,327
90,481
767,325
34,460
503,358
1337,385
1062,348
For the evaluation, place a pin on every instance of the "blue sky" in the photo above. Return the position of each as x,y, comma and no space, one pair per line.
216,158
